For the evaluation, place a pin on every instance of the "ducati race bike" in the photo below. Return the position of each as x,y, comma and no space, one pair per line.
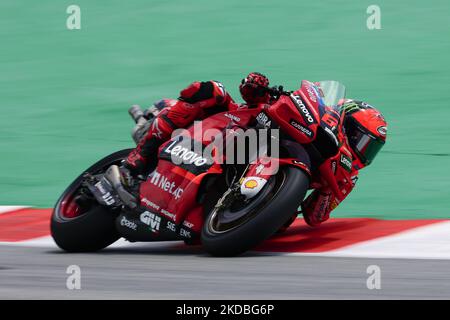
199,191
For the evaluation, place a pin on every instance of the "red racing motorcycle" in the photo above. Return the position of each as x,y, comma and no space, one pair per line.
204,187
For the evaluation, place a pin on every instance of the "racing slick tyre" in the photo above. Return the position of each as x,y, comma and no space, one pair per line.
80,224
238,227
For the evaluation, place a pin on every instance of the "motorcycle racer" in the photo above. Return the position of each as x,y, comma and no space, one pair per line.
363,135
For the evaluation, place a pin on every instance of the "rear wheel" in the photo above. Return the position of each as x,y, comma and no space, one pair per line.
79,223
238,225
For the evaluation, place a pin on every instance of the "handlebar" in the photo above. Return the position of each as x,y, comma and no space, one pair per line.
277,91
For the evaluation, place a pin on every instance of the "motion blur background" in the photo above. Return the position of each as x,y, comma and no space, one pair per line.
64,94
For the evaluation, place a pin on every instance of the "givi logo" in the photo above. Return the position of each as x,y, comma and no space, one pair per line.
151,220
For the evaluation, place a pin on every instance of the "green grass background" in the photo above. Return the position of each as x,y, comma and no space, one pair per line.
64,94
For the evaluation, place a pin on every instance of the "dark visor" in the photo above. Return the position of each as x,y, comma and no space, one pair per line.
366,146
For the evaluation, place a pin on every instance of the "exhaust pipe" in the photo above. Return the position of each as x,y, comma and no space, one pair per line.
113,176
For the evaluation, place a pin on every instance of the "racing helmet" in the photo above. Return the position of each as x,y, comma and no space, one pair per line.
366,129
253,88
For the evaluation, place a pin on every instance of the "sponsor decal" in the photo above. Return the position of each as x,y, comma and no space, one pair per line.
301,128
171,226
251,184
332,135
188,224
185,233
304,111
166,185
185,155
106,196
181,152
232,117
382,130
127,223
100,187
311,93
346,162
151,220
150,204
168,214
263,119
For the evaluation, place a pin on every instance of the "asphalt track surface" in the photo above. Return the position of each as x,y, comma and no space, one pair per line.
149,273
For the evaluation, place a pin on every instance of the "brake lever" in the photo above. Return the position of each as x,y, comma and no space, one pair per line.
278,91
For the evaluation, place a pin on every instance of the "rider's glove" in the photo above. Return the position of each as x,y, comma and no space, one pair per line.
254,89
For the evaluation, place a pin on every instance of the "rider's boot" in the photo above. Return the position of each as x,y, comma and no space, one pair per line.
144,156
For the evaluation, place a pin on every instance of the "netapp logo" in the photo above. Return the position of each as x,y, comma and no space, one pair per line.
163,183
301,128
303,109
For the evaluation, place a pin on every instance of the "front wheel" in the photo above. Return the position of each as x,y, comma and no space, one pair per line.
240,226
80,224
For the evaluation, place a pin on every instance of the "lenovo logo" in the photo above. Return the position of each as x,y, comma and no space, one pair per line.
306,114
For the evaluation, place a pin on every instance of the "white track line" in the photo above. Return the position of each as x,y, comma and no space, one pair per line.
428,242
42,242
5,209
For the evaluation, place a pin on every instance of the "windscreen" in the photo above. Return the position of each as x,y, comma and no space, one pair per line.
333,92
